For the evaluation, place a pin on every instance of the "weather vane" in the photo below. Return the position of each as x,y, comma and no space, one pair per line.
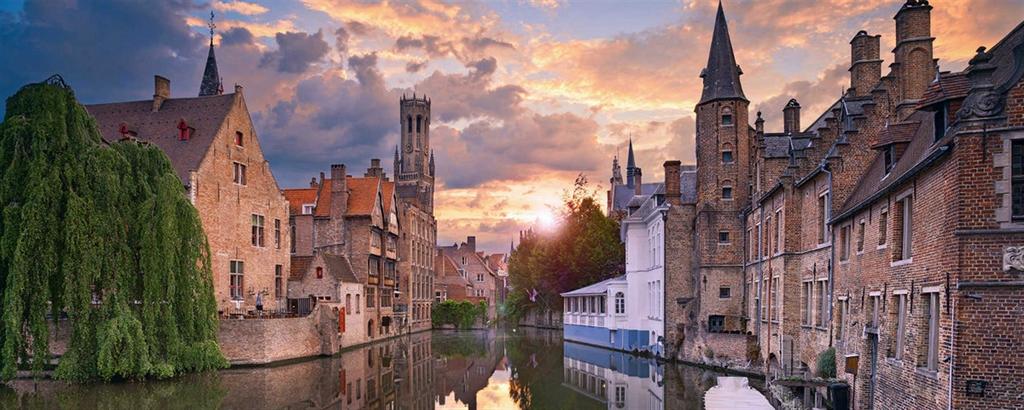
212,26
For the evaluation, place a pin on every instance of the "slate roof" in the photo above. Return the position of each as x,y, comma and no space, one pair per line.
339,267
721,75
204,114
946,87
874,180
901,132
598,288
299,266
688,186
623,193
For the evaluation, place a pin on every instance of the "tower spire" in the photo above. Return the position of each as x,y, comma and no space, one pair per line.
722,74
211,84
630,164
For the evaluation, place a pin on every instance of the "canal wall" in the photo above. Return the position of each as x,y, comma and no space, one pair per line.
263,341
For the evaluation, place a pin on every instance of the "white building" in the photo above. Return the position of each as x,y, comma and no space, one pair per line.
618,380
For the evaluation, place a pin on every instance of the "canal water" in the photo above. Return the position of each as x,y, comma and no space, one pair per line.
523,368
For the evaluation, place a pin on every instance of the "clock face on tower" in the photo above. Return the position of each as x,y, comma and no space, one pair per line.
408,147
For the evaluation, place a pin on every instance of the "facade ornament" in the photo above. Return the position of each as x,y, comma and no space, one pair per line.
1013,258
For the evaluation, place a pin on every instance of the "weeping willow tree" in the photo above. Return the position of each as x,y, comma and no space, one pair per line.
104,235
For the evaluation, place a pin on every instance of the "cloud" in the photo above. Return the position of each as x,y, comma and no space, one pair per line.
814,97
415,66
296,51
237,35
341,39
240,7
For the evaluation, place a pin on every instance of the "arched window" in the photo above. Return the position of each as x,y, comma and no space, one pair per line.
727,190
727,157
408,122
319,272
419,123
348,304
357,303
727,116
369,333
620,303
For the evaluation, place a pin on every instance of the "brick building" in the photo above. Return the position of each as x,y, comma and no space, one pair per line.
214,149
414,175
473,267
355,218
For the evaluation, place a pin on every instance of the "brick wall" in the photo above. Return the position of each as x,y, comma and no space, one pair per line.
262,341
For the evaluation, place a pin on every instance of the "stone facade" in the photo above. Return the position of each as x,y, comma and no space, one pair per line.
472,266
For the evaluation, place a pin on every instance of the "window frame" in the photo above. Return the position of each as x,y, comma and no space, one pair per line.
620,303
278,281
236,273
239,176
258,230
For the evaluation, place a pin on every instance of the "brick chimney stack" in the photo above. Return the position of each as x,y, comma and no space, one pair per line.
865,63
375,169
339,191
471,243
161,91
791,117
672,193
912,57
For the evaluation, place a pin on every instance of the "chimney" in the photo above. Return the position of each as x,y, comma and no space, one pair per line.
791,117
238,89
161,91
865,63
672,193
339,191
471,243
313,183
374,170
912,58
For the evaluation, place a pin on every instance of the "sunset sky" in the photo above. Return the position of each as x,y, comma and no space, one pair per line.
525,94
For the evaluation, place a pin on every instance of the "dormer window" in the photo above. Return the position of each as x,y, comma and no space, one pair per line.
184,131
940,121
307,209
889,154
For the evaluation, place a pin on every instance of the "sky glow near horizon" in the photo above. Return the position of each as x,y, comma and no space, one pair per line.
526,94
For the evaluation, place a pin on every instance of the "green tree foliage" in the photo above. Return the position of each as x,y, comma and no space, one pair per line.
103,234
827,363
460,313
584,249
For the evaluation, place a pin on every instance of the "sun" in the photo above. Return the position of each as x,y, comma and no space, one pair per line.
546,219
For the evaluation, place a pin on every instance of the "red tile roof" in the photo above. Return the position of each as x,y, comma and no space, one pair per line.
362,195
298,197
204,114
300,264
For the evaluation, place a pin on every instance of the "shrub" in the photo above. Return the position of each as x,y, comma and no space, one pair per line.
827,363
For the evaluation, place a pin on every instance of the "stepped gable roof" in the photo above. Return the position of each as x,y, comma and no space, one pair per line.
205,115
297,197
947,87
598,288
919,152
299,266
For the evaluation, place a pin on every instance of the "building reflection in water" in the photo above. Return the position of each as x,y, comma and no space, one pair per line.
496,369
613,378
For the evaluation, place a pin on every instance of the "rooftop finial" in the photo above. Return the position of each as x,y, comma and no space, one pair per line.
212,84
212,26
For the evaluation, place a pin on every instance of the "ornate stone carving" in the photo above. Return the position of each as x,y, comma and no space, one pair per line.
982,105
1013,258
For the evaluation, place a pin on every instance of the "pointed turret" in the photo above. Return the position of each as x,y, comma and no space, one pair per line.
431,162
398,164
631,168
211,84
722,75
616,171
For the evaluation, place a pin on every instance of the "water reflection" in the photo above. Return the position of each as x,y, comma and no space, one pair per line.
497,369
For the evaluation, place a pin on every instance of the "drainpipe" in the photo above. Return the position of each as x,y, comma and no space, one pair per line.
952,348
760,282
832,250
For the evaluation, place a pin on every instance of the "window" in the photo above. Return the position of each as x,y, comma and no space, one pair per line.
904,209
900,322
385,298
940,121
775,310
278,282
620,396
727,116
319,272
778,233
930,360
822,303
257,230
371,297
723,236
348,304
844,243
860,236
808,303
600,304
883,225
1017,179
374,267
277,233
239,173
237,273
716,324
239,141
408,123
875,300
823,216
419,123
724,292
727,157
843,307
727,192
307,209
358,305
479,277
293,238
889,155
620,303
